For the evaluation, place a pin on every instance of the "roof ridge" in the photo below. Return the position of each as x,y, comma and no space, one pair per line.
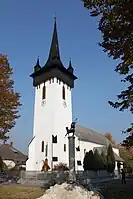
90,129
17,150
12,148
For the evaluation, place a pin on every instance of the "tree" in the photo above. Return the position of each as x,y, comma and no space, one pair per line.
1,164
127,156
110,138
104,157
9,99
128,142
99,164
116,26
110,159
88,162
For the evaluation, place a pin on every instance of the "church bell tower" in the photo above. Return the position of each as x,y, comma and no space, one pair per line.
53,84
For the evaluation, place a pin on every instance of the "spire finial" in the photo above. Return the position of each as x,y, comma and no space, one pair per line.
70,62
54,50
38,61
55,19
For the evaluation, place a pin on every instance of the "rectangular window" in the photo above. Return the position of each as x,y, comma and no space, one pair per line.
46,150
42,147
64,147
79,163
44,92
63,93
54,139
55,159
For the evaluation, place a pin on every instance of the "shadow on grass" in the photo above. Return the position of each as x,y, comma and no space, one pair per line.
116,190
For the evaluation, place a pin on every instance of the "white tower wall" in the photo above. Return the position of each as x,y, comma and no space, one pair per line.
51,117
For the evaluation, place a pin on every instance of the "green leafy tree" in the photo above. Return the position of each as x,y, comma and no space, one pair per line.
110,159
127,156
9,99
116,27
99,164
88,162
104,157
128,142
1,164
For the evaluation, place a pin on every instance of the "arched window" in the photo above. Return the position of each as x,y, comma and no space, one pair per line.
42,149
64,147
54,139
63,93
44,92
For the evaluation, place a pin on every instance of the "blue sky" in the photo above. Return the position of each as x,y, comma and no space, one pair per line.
26,30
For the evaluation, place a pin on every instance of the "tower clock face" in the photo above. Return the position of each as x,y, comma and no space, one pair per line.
43,102
64,104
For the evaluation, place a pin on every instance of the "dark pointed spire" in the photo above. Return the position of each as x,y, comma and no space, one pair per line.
70,68
38,62
37,66
70,63
54,50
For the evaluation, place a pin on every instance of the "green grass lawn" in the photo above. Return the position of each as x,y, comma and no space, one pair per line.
112,190
116,190
19,192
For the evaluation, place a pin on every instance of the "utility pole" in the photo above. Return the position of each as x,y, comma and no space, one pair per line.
71,144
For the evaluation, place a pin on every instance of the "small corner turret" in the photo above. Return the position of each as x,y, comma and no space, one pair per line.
70,68
37,67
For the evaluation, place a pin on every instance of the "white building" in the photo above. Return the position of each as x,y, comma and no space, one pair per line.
53,113
11,156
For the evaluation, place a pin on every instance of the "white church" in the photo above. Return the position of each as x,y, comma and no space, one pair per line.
53,85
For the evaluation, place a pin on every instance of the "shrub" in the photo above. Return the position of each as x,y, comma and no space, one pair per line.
110,159
99,164
1,164
60,167
104,158
89,163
